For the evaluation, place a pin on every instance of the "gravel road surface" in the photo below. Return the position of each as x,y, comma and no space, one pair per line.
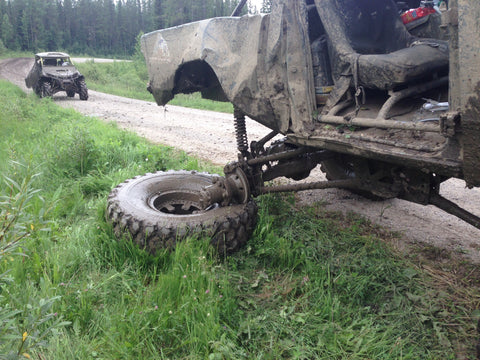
210,135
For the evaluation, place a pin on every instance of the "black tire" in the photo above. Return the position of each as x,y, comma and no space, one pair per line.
70,93
38,90
82,90
159,209
46,89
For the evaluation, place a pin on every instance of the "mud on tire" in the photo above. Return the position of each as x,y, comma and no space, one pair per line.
159,209
82,90
46,89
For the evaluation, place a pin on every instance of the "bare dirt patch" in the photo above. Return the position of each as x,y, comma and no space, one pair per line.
210,135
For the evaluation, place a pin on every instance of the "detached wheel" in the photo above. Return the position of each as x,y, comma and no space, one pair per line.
160,209
82,90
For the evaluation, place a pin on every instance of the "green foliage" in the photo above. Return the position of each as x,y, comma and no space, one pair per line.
130,79
24,324
309,285
3,49
96,27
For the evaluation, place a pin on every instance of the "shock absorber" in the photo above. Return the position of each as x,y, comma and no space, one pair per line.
240,132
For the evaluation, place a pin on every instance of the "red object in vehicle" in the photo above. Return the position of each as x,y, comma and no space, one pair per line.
415,14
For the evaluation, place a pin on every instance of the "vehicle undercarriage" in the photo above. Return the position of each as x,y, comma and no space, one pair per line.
383,113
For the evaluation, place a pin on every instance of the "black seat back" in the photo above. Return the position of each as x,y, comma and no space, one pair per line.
370,25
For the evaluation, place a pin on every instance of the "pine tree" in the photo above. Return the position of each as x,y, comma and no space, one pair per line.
266,6
103,27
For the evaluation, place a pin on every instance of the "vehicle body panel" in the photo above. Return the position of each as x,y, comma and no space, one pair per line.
464,22
263,65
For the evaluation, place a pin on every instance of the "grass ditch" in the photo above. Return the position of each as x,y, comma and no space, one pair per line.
310,284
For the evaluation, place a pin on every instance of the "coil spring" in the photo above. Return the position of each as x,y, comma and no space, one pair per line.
240,131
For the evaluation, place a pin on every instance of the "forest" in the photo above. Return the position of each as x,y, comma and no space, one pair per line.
98,27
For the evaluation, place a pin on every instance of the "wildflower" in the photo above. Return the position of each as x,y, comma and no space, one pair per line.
184,276
208,314
32,227
170,312
207,291
56,314
24,336
26,355
156,307
221,296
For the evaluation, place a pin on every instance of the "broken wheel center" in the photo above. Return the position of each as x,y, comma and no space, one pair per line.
176,203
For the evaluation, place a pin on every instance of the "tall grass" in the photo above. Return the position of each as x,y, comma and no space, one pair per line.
309,284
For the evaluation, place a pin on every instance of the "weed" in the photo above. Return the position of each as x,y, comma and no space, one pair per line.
309,284
24,325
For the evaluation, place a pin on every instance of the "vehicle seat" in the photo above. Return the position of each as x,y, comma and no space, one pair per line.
50,62
372,46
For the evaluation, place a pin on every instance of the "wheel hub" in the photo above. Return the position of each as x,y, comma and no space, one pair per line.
175,202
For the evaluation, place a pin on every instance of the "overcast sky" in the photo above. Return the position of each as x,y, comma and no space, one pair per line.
257,3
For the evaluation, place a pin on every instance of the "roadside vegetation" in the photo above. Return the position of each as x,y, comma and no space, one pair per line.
130,79
310,284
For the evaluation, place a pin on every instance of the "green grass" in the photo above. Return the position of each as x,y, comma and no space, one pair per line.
130,79
6,53
309,285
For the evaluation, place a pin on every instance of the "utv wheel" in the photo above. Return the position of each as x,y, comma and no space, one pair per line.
82,90
70,93
159,209
46,90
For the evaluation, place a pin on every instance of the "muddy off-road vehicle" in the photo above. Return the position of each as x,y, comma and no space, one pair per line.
382,112
53,72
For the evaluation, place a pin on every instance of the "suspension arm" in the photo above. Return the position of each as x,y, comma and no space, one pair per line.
344,184
452,208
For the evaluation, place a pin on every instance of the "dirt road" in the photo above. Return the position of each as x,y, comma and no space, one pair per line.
210,135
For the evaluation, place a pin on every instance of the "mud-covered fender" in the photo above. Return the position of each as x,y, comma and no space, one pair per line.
261,63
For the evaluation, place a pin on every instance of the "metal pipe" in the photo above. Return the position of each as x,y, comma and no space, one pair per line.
349,184
340,106
280,156
399,95
452,208
319,155
239,8
265,139
380,123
